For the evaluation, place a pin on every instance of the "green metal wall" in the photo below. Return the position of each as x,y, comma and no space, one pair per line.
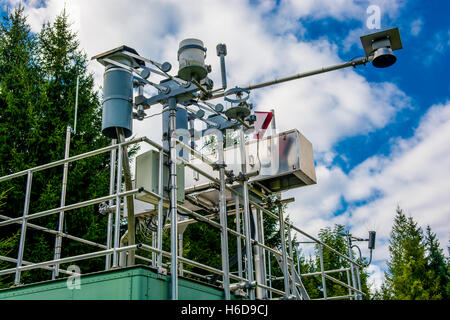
134,283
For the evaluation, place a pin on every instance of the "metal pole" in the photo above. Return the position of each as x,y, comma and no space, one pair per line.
298,260
324,285
76,107
68,207
28,263
131,238
111,202
341,283
352,267
244,224
117,213
270,274
58,239
223,71
248,250
85,256
257,258
238,239
359,283
54,232
223,218
153,253
352,63
180,250
291,254
23,231
75,158
349,285
283,251
273,124
262,250
192,132
160,208
173,199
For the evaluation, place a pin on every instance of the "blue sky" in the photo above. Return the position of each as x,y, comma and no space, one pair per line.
381,137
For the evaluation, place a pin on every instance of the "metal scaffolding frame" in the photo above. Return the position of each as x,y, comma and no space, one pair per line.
257,256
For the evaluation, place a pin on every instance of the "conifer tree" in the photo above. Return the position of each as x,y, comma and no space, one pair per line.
20,82
439,282
408,276
62,62
38,75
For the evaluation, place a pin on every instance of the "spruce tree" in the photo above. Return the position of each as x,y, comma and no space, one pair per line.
437,266
62,61
38,75
408,276
20,82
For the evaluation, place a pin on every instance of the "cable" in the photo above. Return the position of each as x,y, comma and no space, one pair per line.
360,256
153,115
356,58
370,259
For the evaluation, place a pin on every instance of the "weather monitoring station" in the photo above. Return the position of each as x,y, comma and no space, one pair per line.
241,174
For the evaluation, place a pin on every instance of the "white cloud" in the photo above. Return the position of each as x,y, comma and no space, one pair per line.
416,27
337,9
376,275
435,47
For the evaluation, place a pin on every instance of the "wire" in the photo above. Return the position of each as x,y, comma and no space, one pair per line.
370,259
153,115
360,256
356,57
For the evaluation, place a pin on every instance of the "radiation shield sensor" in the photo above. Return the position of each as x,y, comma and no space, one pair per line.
380,45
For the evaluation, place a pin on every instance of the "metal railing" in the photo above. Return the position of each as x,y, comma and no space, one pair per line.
257,256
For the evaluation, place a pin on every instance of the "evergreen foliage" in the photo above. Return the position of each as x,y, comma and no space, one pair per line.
38,75
440,284
336,239
416,268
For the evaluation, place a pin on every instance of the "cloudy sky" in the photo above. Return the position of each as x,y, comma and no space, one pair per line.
381,137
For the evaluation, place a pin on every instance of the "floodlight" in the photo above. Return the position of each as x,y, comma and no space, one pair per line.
380,45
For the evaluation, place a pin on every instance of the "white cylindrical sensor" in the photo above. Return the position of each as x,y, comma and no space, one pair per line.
191,59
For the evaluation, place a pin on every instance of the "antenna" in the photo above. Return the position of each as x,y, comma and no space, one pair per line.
76,107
